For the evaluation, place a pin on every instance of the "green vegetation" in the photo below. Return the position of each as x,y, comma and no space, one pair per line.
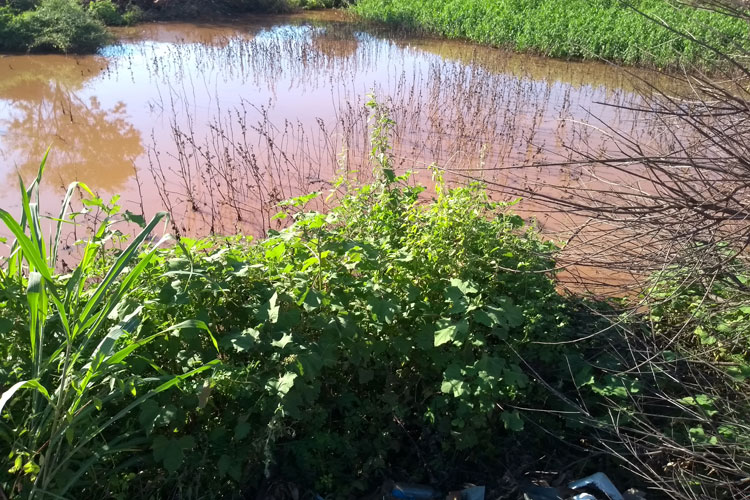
78,26
106,12
68,357
51,26
385,308
599,29
395,335
319,4
587,29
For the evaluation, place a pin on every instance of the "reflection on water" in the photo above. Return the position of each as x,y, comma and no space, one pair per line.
46,101
221,121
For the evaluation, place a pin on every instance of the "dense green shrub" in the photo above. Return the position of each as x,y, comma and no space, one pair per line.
10,38
589,29
132,15
21,5
106,12
347,332
55,25
394,318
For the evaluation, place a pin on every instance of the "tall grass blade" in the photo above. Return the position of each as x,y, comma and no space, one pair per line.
120,264
55,240
34,297
30,252
24,384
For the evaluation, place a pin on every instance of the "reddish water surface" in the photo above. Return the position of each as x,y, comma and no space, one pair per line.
219,122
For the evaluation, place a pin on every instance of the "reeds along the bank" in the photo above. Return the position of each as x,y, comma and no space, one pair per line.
224,169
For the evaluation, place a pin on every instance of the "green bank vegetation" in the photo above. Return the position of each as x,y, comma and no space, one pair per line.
51,26
79,26
579,29
400,334
613,30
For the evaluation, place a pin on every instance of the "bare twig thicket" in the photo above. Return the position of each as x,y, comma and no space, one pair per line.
675,215
683,200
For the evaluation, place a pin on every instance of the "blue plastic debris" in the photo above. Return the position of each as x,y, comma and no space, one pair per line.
414,492
473,493
599,481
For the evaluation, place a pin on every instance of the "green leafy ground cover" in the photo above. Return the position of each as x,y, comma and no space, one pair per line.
337,337
396,335
580,29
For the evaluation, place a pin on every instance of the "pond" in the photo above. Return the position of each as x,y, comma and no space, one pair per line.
219,122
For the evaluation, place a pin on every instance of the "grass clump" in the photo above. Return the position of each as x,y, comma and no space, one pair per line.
65,376
579,29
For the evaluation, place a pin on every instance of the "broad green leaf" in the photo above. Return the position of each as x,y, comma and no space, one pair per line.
465,287
273,309
455,387
34,292
455,333
241,430
283,341
134,218
485,319
171,451
283,384
276,252
512,420
384,310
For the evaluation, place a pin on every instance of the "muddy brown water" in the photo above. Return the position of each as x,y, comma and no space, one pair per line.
219,122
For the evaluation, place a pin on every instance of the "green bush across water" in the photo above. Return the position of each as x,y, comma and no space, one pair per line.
587,29
52,26
75,26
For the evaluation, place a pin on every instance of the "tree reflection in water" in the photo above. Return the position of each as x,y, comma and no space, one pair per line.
43,102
